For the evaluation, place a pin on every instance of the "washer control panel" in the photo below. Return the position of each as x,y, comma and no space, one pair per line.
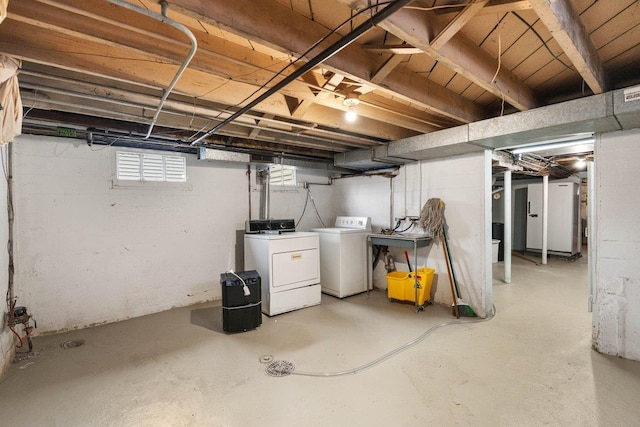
358,222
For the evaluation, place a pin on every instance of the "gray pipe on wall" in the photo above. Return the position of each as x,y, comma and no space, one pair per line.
265,205
178,26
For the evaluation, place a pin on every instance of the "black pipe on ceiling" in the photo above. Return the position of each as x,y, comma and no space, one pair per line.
321,57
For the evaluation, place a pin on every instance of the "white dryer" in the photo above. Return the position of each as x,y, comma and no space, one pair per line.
343,256
289,267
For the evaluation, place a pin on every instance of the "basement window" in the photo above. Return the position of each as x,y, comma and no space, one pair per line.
146,167
282,175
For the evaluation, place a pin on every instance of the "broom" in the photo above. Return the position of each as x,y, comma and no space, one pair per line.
463,308
432,219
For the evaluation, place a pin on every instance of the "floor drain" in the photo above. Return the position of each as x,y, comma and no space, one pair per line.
72,344
267,358
280,368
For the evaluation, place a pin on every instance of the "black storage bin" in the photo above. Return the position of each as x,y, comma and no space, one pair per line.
497,232
241,312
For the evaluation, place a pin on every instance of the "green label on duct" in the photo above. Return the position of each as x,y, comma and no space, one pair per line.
66,132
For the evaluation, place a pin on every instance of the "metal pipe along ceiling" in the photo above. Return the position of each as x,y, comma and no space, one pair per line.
179,27
321,57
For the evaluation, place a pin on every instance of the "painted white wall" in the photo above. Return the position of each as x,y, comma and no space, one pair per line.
463,183
616,313
6,336
88,252
290,203
364,196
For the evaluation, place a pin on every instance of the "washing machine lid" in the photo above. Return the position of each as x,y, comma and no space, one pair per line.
339,230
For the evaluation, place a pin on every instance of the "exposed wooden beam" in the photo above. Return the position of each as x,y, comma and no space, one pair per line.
279,27
330,85
460,54
147,38
386,69
89,56
492,8
103,25
397,49
457,23
255,131
564,24
102,98
131,105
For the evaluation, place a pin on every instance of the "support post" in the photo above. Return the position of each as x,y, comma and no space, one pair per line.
545,217
591,233
506,238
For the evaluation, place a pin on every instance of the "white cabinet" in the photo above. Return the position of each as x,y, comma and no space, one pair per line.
563,236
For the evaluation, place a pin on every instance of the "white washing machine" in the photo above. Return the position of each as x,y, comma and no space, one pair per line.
343,256
289,267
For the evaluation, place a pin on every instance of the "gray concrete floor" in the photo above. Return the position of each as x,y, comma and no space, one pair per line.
531,365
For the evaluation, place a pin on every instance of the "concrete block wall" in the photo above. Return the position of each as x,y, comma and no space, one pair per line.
88,252
91,252
616,313
463,183
364,196
289,202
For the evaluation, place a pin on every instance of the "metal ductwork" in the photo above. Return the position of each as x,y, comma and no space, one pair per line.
222,155
607,112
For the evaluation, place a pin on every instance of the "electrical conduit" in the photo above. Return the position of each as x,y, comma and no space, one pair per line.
163,18
336,47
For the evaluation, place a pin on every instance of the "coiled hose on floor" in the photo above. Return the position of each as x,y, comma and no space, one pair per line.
282,368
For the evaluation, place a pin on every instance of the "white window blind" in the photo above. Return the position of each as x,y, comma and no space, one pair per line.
150,167
282,175
175,169
128,166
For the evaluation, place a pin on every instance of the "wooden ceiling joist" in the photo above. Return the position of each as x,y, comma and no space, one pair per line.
281,28
433,65
460,54
457,23
386,68
397,49
565,26
329,86
130,66
494,7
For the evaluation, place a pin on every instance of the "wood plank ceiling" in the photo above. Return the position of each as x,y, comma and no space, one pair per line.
432,65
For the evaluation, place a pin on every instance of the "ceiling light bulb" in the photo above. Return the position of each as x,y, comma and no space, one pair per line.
351,115
580,163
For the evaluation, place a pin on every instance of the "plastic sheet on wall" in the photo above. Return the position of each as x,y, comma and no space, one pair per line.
3,9
11,113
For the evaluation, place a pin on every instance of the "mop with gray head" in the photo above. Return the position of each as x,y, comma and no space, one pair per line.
432,217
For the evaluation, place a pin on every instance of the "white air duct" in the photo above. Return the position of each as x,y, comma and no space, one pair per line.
222,155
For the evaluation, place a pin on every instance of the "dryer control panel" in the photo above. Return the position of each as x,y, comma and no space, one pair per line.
270,226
